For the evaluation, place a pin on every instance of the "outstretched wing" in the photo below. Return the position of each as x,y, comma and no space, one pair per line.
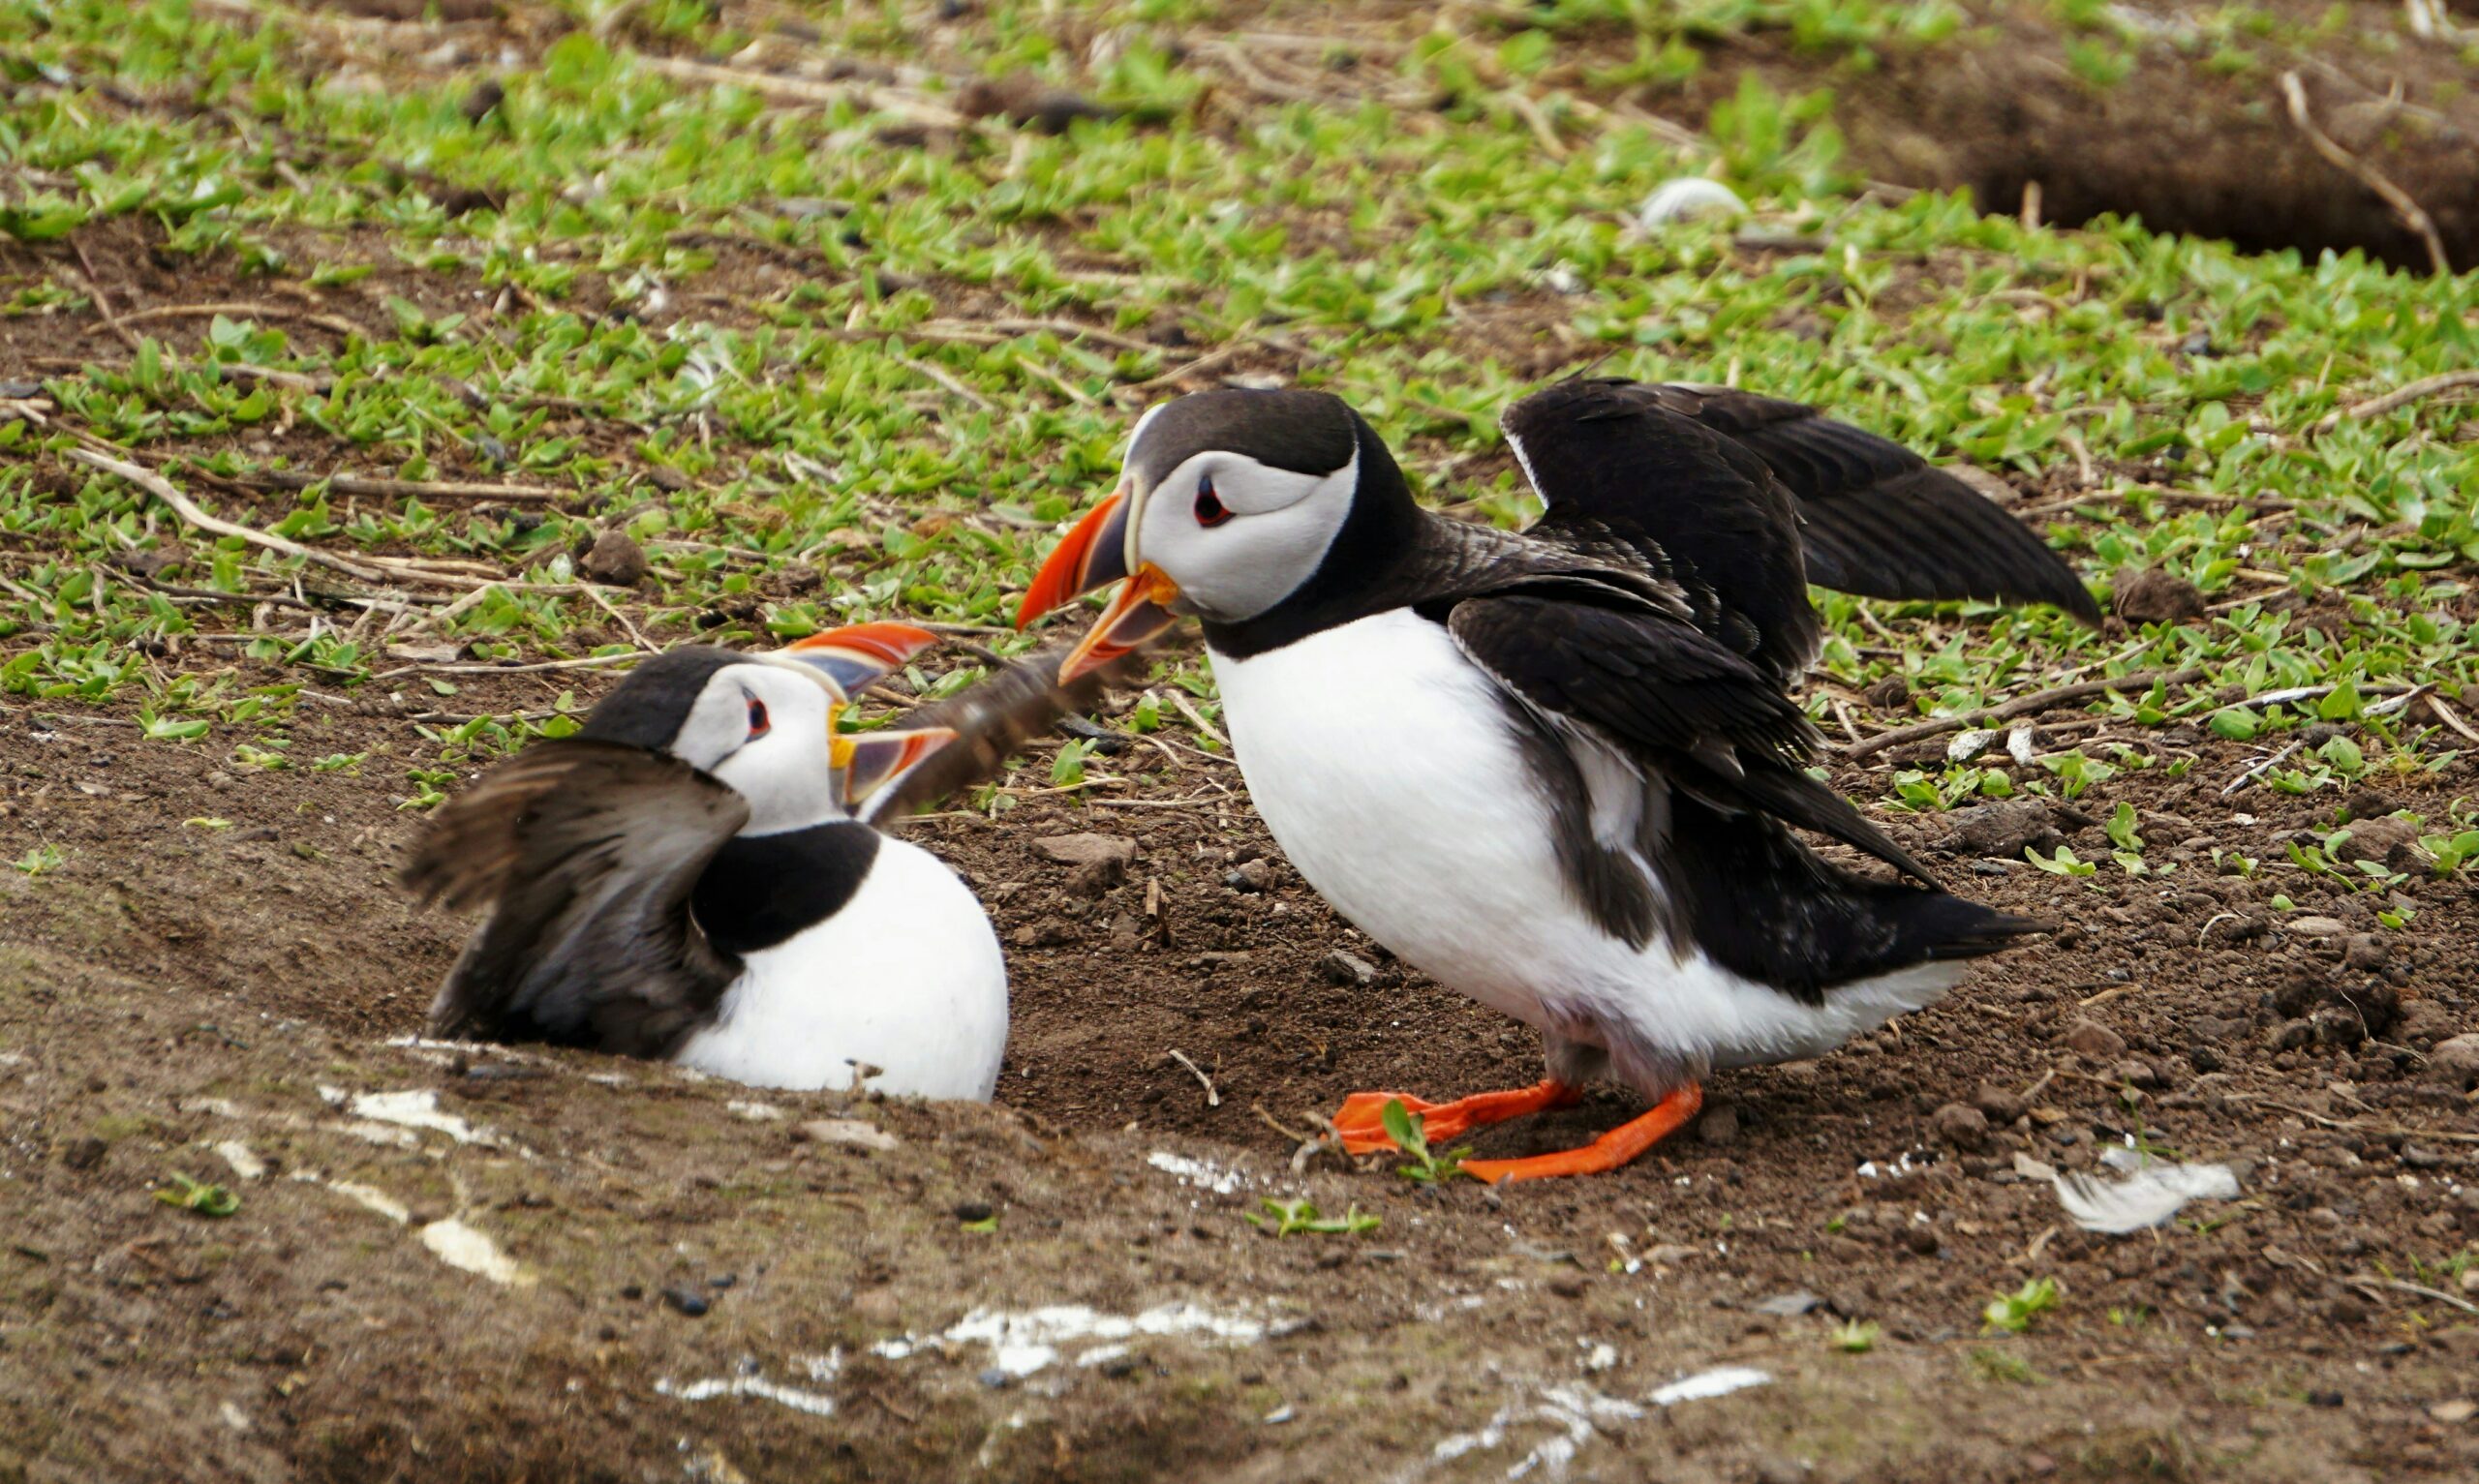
1615,468
1658,687
1875,519
585,852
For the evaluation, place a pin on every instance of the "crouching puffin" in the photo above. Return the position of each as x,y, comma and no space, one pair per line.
1560,770
694,876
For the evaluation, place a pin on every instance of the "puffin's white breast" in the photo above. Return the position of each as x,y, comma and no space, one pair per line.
908,978
1388,768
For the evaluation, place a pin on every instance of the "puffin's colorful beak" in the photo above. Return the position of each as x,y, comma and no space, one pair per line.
1141,610
852,656
1095,553
869,761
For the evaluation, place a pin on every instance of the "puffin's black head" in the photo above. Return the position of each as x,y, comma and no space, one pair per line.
764,724
1229,502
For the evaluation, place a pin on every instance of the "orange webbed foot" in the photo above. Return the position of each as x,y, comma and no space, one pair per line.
1362,1119
1609,1152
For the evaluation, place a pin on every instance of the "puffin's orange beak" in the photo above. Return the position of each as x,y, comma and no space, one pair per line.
1093,554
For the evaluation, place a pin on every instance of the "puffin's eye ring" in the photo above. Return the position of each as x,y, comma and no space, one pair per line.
758,724
1210,510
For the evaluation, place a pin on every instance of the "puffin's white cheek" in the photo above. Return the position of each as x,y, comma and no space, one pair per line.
787,787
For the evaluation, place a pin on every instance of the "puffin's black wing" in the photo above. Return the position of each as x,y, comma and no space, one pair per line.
1658,687
586,852
1623,475
1878,520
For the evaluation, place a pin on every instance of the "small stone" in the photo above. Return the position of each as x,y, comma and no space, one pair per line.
614,560
1049,932
2092,1039
2288,1036
1960,1125
2456,1412
2156,597
1567,1286
2366,950
2420,1157
685,1299
1892,693
84,1153
971,1211
1086,849
853,1133
2323,1399
1096,878
668,479
1719,1126
1921,1239
2456,1060
2471,1281
1348,970
996,1380
2138,1073
486,95
1997,1102
2316,926
1787,1306
1250,876
722,1279
2388,841
2001,830
2338,1026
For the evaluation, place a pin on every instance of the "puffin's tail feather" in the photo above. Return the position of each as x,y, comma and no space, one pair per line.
1765,906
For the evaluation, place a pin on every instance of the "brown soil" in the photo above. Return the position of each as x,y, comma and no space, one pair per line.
174,986
2186,146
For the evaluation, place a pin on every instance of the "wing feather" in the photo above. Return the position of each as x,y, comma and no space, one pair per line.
1660,690
1879,520
585,852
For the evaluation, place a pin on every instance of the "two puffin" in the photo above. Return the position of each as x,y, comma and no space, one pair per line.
1560,770
695,877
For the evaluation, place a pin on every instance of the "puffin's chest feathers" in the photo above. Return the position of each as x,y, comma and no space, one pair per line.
762,890
1438,815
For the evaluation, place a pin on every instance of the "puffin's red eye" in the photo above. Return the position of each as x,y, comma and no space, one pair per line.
758,725
1210,510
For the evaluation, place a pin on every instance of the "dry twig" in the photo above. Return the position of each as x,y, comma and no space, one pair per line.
2021,706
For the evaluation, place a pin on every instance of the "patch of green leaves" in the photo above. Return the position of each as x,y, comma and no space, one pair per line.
2011,1314
1288,1218
199,1197
1410,1134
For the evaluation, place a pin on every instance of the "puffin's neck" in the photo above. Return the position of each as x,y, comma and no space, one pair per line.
761,890
1363,572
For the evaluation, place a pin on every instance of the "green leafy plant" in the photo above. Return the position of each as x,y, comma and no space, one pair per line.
2011,1314
1406,1129
1854,1337
42,861
1286,1218
199,1197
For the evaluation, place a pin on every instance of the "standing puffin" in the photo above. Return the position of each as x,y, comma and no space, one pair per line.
1560,770
694,876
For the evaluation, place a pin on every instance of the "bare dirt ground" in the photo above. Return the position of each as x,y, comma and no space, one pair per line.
211,999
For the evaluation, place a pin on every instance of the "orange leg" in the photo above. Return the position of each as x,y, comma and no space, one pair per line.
1606,1153
1360,1120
